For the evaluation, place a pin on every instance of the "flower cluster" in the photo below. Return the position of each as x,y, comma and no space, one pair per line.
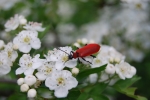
8,55
58,69
28,38
53,69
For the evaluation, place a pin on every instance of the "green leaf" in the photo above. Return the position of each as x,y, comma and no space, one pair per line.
62,99
42,34
99,97
127,82
98,88
130,92
82,75
16,95
83,96
123,86
73,95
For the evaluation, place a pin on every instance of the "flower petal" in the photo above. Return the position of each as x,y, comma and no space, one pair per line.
71,63
61,92
29,72
19,71
40,76
51,83
59,65
5,70
72,82
36,43
24,48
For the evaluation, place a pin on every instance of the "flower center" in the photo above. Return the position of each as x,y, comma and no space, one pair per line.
123,70
64,58
48,70
26,39
138,5
29,65
97,61
9,53
60,81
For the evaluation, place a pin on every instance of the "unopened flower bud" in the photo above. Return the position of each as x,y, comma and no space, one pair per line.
79,41
1,44
84,41
30,80
91,41
31,93
110,69
20,81
111,60
15,47
24,87
133,71
117,60
76,44
22,20
75,71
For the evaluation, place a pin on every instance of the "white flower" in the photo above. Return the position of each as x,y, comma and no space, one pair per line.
26,40
20,81
5,64
12,24
97,62
136,4
7,4
61,82
32,93
45,70
11,53
61,56
1,44
51,55
24,88
102,57
34,26
30,80
115,56
110,69
28,64
124,70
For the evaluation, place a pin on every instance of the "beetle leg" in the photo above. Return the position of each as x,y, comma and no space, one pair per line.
79,60
93,56
87,61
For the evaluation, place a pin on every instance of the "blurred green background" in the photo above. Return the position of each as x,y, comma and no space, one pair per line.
123,24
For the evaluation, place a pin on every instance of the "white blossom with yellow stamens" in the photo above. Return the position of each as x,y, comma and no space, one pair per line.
61,82
28,64
26,40
45,70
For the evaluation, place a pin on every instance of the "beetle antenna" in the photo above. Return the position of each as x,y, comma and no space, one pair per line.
63,51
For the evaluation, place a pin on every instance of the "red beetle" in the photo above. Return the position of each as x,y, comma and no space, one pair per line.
87,50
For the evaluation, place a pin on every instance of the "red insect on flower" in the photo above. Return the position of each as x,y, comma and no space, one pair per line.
85,51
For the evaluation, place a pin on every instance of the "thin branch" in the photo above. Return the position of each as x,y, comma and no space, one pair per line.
9,81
